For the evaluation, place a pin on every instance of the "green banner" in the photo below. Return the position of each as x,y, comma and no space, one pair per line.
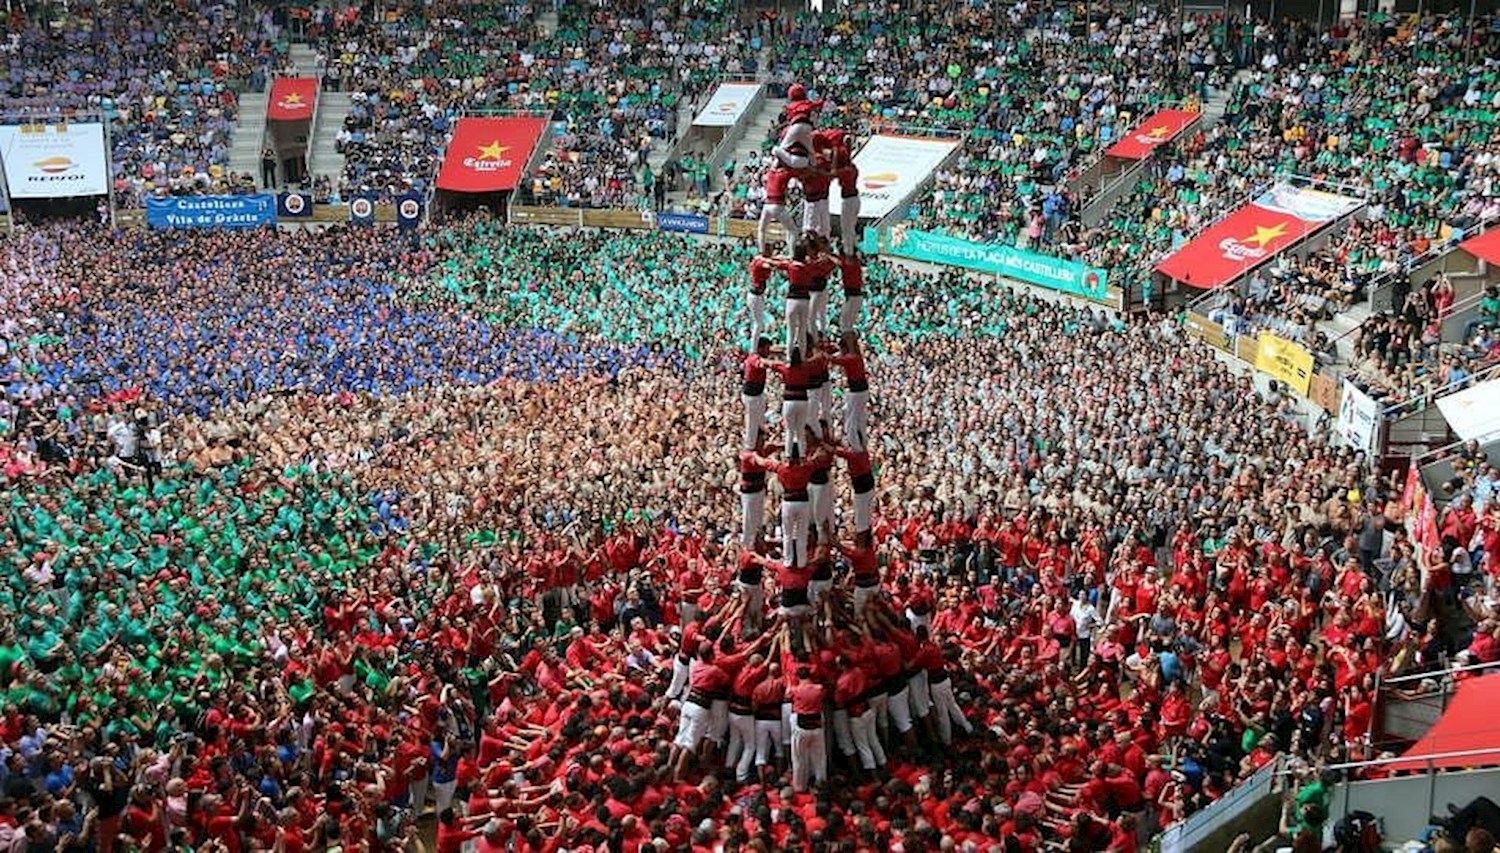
1042,270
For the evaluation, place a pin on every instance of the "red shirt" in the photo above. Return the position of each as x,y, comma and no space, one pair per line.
807,698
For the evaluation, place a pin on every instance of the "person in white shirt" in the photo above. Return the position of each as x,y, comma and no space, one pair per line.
1086,620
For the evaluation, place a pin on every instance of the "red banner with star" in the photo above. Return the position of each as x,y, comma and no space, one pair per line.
1252,235
488,154
292,99
1158,129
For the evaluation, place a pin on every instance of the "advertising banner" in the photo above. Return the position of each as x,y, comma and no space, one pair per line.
1358,422
727,105
892,167
688,223
1474,413
1042,270
292,99
1285,361
488,154
212,211
1157,129
54,160
1254,234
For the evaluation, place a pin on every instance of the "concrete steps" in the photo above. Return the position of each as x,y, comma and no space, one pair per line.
323,157
248,138
305,58
756,133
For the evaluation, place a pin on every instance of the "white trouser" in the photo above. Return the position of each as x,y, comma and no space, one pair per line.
918,620
752,516
793,420
794,516
692,726
818,312
879,702
797,135
798,312
679,678
920,698
442,794
899,707
871,754
816,589
822,504
755,418
843,733
815,216
857,418
419,794
848,223
755,601
718,721
862,596
849,312
809,758
786,725
779,213
863,505
947,710
768,741
822,397
740,755
757,310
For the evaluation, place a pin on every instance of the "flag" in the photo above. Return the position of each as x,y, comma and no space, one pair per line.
488,154
292,99
409,211
362,210
293,205
1158,129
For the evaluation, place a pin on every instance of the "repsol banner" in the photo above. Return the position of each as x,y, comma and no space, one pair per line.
54,160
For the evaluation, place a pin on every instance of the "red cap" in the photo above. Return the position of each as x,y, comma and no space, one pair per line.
796,92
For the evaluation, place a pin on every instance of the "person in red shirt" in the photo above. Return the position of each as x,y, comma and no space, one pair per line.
851,699
766,699
706,681
794,475
753,392
760,276
806,266
857,391
809,750
798,378
838,150
852,277
864,567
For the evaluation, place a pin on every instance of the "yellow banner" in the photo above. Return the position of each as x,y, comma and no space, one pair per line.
1284,360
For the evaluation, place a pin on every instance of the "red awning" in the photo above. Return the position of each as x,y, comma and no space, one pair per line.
1157,129
1468,725
1233,246
292,99
488,154
1486,246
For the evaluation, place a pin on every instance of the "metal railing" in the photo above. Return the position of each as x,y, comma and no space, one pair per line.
1420,401
1349,766
1380,289
1196,828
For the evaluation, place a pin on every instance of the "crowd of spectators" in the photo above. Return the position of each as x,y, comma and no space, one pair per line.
166,78
306,529
610,78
